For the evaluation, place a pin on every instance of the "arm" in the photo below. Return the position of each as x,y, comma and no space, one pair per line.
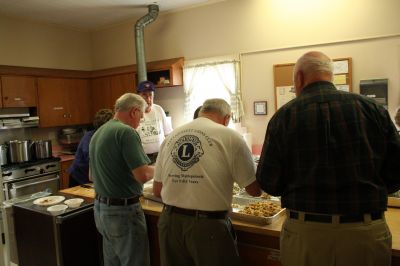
90,176
143,173
253,189
157,186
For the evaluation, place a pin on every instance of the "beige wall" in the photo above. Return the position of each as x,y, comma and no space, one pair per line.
280,30
25,43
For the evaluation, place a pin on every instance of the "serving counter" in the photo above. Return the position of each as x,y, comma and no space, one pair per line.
258,244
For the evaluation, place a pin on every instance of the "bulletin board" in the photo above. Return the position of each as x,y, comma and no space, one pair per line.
283,79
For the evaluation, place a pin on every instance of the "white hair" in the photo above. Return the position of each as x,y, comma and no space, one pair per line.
216,105
129,100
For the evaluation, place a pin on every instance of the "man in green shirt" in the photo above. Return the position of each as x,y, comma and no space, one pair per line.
118,168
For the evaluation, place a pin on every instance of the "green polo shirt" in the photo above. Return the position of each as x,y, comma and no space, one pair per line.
114,151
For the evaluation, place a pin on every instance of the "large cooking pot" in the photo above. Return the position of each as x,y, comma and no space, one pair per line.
20,150
3,154
43,149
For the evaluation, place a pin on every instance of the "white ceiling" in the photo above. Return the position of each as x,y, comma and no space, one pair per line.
88,15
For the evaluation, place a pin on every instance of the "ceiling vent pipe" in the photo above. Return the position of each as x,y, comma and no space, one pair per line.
139,35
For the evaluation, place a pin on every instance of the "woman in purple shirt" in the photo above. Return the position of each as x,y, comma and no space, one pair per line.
79,170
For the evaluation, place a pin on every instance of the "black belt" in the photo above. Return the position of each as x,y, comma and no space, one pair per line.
322,218
118,202
197,213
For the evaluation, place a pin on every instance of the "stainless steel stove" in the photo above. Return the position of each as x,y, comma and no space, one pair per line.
27,178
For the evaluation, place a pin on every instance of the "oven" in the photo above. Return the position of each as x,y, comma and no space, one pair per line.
21,182
28,178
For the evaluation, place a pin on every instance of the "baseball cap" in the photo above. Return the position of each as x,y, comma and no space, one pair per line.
145,86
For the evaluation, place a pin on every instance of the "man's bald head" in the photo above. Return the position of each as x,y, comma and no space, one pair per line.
311,67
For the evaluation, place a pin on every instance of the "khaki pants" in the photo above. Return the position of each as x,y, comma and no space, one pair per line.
194,241
306,243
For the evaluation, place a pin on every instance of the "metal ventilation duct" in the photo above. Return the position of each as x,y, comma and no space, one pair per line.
139,36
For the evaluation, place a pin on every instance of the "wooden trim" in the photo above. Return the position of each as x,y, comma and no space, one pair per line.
43,72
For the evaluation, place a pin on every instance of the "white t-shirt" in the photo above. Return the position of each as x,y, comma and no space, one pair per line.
198,164
153,128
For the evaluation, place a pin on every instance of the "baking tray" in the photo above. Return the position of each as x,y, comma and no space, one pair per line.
148,193
393,202
235,214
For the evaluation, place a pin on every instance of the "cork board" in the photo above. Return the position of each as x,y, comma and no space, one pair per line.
283,79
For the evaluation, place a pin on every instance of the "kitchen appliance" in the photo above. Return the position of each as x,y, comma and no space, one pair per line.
30,177
3,154
20,150
70,238
43,149
69,139
17,117
21,181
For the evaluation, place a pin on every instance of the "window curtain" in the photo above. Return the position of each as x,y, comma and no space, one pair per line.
212,80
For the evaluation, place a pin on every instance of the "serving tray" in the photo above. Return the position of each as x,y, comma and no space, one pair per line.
393,202
262,220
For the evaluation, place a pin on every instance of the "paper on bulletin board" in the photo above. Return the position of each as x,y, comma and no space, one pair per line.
284,94
343,87
340,67
339,79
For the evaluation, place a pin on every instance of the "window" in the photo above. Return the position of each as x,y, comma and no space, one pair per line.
218,79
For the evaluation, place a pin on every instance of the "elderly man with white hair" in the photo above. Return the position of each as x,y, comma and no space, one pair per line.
333,158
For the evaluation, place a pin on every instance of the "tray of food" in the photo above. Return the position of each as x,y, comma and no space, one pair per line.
256,210
148,193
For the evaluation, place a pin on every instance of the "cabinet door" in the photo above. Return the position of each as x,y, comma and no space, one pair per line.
19,91
101,94
53,103
79,102
64,174
1,97
121,84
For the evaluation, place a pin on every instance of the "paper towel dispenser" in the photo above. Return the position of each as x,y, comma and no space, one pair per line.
376,89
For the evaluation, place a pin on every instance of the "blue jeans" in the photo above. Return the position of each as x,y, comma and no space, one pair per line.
124,231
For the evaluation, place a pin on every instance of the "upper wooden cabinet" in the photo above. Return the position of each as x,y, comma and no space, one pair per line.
63,102
166,73
106,90
19,91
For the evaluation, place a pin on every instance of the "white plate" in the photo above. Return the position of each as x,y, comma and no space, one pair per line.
50,200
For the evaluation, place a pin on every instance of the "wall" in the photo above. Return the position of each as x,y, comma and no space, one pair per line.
264,33
30,44
275,28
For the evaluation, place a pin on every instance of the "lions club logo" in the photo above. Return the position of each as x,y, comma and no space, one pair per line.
186,152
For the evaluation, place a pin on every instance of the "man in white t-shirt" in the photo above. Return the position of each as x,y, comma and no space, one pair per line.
195,171
154,126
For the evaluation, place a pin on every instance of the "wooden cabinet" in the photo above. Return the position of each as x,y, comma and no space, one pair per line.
18,91
64,178
166,73
106,90
63,102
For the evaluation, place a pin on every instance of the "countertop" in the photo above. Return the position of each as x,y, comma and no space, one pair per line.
154,208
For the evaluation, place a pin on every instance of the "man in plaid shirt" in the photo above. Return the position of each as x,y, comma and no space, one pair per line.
333,157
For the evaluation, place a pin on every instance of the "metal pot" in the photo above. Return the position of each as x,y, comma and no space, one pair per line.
43,149
20,150
3,154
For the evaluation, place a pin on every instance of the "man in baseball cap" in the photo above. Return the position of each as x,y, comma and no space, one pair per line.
154,126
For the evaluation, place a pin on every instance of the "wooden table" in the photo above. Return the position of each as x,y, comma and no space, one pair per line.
258,244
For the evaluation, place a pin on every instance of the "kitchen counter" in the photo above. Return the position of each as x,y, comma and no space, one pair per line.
258,244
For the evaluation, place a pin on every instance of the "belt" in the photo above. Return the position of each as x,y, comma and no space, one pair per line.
325,218
197,213
118,202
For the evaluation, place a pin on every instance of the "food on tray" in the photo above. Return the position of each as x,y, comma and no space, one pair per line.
265,195
236,189
237,206
263,209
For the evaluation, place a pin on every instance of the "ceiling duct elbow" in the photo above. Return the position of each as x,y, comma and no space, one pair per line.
139,40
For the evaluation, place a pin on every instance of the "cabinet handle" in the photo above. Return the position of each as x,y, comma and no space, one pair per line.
55,108
69,115
65,115
17,99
